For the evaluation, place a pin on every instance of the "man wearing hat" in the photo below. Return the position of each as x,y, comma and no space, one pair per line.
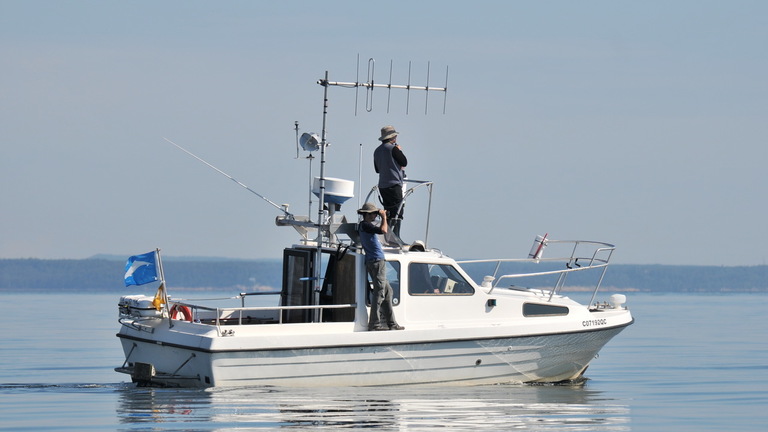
389,162
382,316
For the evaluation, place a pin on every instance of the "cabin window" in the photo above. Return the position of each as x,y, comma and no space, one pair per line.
436,279
393,276
537,309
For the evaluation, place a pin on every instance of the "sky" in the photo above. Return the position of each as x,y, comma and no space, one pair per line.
640,124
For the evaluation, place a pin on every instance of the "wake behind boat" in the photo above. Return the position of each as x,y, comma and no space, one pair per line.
466,323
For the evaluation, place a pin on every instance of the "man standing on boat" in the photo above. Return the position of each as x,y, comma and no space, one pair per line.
382,316
390,162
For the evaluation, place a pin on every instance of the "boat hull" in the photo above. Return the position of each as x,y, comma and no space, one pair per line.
539,358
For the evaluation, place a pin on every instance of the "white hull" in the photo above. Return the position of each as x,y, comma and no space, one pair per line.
545,358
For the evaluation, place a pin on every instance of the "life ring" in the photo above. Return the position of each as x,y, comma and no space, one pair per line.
181,312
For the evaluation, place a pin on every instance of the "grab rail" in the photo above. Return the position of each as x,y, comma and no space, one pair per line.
408,192
220,311
599,258
244,294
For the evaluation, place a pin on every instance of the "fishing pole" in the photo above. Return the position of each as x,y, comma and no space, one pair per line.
279,207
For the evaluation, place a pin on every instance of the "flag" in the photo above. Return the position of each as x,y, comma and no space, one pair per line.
141,269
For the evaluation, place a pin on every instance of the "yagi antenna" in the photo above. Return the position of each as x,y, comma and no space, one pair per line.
370,84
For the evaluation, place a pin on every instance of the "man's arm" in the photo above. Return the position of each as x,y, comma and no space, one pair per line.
384,225
399,156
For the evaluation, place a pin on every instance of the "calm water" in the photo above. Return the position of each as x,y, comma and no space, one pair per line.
689,363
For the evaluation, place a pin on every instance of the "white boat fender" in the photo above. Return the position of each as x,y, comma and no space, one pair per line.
538,247
617,300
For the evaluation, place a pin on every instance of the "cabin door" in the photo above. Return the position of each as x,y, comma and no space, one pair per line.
338,285
297,289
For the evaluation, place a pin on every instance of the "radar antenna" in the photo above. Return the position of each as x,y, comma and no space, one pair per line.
310,142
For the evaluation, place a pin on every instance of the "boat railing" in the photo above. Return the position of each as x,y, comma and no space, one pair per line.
598,259
226,313
243,295
374,195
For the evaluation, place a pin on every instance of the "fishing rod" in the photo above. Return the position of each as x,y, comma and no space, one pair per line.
282,208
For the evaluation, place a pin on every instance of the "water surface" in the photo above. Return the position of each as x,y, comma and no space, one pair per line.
689,363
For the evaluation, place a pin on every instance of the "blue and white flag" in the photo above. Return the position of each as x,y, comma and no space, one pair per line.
141,269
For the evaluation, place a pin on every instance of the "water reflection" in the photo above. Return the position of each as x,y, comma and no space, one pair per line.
476,408
160,405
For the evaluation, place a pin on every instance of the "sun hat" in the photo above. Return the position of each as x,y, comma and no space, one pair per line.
368,208
388,132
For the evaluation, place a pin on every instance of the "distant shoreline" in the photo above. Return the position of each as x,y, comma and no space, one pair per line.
105,274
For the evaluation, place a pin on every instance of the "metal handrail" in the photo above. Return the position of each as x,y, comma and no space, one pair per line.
551,272
220,311
243,295
596,261
408,192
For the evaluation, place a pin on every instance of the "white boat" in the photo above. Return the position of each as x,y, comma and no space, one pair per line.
466,323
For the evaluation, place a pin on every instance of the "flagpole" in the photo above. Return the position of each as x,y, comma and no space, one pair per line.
162,282
160,266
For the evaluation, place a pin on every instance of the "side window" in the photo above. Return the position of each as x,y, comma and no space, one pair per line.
436,279
393,276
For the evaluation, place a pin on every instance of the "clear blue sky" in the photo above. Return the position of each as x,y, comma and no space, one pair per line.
637,123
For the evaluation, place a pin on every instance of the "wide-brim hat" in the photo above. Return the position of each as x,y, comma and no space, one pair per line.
368,208
388,132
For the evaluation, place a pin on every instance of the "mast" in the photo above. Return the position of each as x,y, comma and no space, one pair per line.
321,223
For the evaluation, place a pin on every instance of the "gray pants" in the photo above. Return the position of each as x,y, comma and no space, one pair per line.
382,314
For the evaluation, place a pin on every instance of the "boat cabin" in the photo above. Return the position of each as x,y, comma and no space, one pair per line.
416,275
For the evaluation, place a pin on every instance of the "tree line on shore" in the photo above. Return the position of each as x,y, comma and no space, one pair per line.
106,275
